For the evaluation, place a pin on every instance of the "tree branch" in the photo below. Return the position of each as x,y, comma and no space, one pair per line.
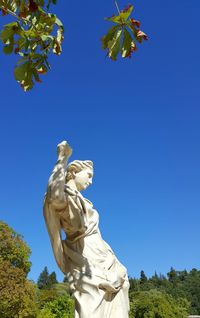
13,14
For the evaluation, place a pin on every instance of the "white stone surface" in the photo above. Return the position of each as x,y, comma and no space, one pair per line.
97,279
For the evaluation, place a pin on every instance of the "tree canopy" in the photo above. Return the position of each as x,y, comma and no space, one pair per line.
14,249
17,294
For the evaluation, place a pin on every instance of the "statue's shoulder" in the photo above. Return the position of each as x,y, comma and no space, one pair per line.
88,201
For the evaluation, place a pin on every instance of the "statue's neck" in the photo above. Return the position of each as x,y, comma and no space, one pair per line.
72,184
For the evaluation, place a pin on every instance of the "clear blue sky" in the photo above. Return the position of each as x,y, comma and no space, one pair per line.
138,120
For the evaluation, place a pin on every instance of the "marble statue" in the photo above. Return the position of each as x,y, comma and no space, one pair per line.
98,281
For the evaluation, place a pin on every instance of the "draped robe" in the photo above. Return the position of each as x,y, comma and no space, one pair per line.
97,279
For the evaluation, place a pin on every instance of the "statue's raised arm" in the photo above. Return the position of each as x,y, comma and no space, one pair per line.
55,200
56,184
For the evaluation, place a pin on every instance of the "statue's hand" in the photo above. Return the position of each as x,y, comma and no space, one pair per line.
64,150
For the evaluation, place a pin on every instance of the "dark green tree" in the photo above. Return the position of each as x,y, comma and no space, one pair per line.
46,280
43,279
191,287
143,278
172,276
134,284
52,280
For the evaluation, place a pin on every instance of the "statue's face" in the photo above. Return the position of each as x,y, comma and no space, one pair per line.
83,179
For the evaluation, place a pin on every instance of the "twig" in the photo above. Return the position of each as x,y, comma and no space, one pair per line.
117,6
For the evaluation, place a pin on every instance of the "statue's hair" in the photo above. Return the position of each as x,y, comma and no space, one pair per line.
77,166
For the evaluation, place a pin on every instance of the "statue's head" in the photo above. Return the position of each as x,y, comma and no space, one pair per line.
81,172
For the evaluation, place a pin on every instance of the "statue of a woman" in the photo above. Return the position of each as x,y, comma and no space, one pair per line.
97,279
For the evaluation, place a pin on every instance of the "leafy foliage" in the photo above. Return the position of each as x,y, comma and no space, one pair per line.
17,294
46,295
122,37
62,307
37,33
55,302
13,248
34,35
45,313
181,285
153,303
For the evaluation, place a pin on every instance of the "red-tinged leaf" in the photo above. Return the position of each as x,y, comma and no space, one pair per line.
57,49
135,23
37,79
4,11
42,69
23,14
127,8
16,50
36,76
33,7
133,47
141,36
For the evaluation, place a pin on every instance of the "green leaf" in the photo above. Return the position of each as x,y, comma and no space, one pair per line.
21,43
8,49
45,37
114,45
8,31
122,17
23,74
59,23
125,14
22,60
11,25
126,44
109,36
115,19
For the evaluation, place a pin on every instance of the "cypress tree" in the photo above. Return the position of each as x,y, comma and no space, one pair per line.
43,279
